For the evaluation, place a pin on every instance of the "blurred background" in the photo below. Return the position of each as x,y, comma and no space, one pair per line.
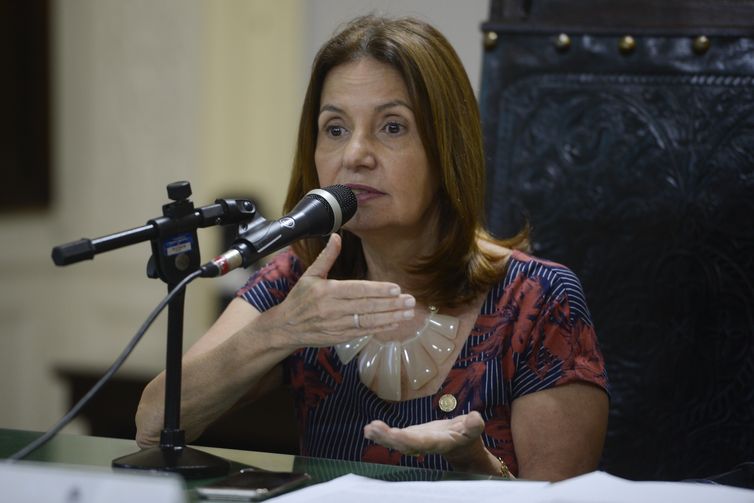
105,102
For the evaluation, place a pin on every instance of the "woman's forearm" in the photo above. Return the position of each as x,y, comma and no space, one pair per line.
214,378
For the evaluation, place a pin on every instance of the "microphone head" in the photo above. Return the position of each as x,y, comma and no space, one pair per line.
340,202
346,199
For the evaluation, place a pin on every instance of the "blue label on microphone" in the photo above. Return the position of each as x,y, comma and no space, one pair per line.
178,244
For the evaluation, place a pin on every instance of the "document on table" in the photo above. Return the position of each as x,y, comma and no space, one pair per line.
595,487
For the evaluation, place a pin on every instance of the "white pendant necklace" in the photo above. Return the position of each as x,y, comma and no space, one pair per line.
421,355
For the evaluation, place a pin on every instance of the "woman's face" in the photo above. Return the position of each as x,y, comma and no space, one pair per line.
368,140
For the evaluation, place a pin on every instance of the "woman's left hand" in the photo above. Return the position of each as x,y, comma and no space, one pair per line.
458,439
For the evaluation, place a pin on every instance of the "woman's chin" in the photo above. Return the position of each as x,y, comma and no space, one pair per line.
361,228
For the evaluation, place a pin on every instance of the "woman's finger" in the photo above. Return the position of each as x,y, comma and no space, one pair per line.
375,311
411,440
326,258
473,424
357,288
381,304
379,432
375,321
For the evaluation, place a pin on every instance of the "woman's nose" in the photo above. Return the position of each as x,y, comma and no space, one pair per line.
359,152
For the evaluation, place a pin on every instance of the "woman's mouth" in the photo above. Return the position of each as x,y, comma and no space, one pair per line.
364,193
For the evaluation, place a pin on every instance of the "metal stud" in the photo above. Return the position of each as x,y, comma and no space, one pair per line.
448,403
563,42
490,40
626,44
700,44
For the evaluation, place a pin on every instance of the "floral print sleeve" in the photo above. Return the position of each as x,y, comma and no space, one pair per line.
553,341
270,285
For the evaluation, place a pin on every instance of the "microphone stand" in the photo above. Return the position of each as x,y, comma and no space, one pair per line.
175,255
172,455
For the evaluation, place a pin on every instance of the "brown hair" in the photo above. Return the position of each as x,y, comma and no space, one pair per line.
449,126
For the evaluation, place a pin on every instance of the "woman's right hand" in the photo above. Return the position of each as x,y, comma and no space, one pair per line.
320,312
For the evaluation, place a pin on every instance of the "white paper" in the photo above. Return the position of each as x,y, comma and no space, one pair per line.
595,487
601,487
365,490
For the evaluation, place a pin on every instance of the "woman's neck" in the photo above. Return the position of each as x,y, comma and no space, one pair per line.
389,254
390,258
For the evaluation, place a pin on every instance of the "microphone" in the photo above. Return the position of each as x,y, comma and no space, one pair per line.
319,213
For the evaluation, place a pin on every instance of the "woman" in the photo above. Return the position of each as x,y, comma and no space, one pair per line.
413,337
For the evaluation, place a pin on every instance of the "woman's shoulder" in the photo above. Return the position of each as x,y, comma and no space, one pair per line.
531,266
517,264
280,273
283,265
549,280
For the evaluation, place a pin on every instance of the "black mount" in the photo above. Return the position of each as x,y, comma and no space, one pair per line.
175,255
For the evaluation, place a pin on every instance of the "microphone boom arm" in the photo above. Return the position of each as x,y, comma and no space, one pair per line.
223,211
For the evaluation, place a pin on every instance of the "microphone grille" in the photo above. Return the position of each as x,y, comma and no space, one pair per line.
346,199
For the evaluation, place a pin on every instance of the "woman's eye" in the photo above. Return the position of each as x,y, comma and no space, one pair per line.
334,130
394,128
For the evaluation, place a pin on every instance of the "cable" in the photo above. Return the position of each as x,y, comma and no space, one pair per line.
39,442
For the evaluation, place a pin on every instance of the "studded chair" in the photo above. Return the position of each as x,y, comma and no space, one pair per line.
623,132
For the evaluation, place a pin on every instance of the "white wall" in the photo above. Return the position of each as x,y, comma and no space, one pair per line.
458,20
147,92
124,91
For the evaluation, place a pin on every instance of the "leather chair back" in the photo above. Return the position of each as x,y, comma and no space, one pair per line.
623,132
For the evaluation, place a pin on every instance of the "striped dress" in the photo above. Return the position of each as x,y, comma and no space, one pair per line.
533,332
